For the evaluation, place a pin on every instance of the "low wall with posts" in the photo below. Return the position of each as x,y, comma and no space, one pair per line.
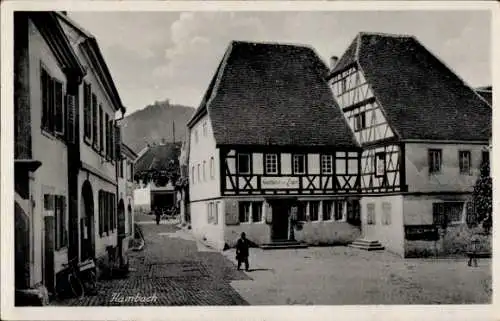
453,241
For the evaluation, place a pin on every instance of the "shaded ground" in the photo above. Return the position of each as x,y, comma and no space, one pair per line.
340,275
171,270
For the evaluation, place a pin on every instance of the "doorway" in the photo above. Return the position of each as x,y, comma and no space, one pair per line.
280,227
87,225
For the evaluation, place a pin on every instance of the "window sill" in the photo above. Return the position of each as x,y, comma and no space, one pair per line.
53,136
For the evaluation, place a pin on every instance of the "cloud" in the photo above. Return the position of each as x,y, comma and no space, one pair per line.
199,42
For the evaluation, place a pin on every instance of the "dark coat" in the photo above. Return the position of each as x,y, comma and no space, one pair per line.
242,248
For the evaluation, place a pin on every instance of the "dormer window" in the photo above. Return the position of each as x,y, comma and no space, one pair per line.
360,121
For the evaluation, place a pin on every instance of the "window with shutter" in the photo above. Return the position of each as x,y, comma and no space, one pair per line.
70,118
101,213
95,133
45,98
106,124
87,117
58,108
101,132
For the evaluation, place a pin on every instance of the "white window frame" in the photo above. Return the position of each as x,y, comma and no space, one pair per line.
433,158
271,160
373,221
296,163
461,162
212,167
325,160
249,216
386,213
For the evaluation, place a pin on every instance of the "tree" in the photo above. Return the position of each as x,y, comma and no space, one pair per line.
482,200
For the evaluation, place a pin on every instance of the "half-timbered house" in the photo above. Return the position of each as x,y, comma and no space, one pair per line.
424,134
270,153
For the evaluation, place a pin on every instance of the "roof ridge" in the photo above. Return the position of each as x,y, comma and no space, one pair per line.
273,43
385,34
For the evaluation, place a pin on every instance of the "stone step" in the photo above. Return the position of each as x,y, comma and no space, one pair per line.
367,248
369,245
283,245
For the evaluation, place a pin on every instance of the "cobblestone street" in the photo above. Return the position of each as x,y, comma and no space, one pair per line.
172,270
176,270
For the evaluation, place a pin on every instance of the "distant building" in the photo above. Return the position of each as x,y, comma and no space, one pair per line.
126,196
156,171
424,135
270,153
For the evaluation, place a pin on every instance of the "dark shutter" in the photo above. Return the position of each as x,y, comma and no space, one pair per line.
70,118
118,140
45,99
94,120
58,108
86,111
101,130
101,213
51,105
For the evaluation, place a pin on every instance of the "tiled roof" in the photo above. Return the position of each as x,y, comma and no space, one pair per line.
486,93
274,94
422,98
158,158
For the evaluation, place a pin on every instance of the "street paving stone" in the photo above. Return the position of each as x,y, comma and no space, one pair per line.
169,272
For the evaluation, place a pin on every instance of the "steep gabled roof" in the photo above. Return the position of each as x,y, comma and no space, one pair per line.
273,94
158,158
97,59
421,96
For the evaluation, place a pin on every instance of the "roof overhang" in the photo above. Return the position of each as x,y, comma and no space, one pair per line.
91,46
54,35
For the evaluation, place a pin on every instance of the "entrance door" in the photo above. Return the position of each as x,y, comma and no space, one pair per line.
87,225
280,227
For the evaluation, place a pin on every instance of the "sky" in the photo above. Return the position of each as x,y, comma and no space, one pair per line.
154,56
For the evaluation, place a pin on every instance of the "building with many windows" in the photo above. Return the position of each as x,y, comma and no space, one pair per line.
47,76
95,180
270,153
424,134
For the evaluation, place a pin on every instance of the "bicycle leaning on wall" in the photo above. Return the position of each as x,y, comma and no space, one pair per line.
77,279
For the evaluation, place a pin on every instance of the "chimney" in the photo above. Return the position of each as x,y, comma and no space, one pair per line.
333,62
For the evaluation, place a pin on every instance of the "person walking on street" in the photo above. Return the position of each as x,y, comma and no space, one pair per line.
242,251
158,216
474,248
